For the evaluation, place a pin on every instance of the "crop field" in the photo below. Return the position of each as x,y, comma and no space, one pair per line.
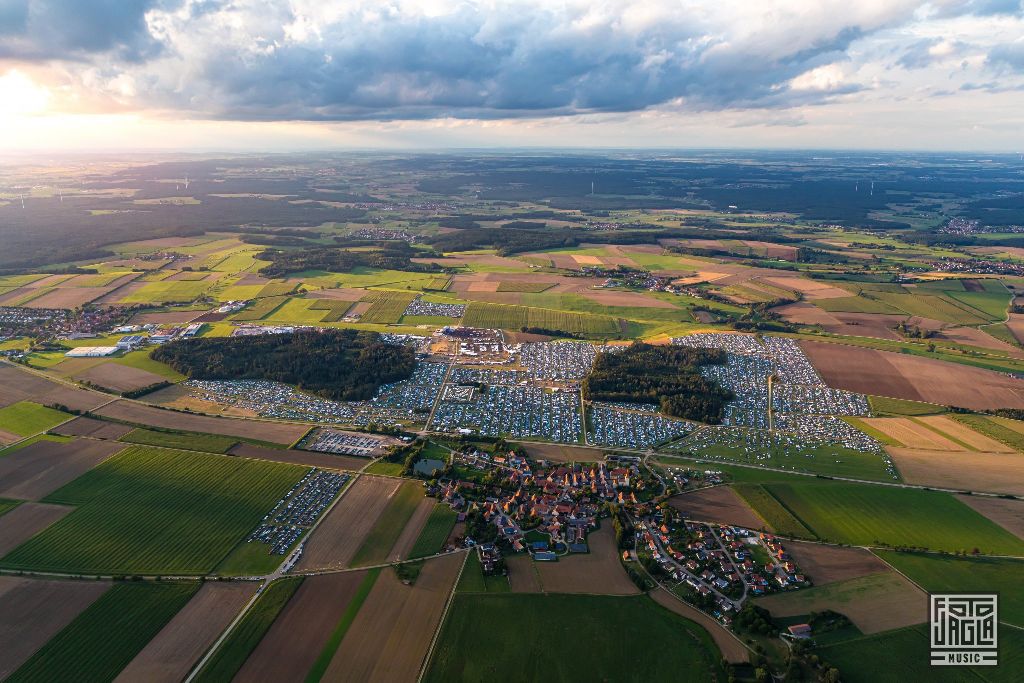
209,503
37,467
252,430
26,418
246,635
382,537
862,514
508,648
880,405
108,634
523,286
855,304
499,316
717,504
934,307
211,443
387,307
995,428
950,574
767,506
435,533
260,309
166,292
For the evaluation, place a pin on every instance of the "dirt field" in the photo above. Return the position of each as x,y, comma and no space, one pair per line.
852,324
166,318
7,438
34,611
598,571
1016,326
117,377
911,434
178,646
291,646
971,336
1008,514
560,453
21,385
914,378
25,521
406,540
875,603
339,536
964,434
522,577
732,649
32,472
275,432
69,297
97,429
719,504
338,462
812,290
389,639
828,564
339,294
961,470
636,299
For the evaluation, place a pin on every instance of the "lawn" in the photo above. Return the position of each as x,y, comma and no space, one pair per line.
240,643
104,638
435,533
26,418
950,574
156,511
862,514
211,443
497,638
388,528
500,316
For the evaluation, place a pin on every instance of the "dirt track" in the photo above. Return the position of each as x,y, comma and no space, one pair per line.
25,521
337,539
718,504
35,610
179,645
34,471
732,650
294,641
389,639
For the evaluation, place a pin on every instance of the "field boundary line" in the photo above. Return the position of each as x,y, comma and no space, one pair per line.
444,617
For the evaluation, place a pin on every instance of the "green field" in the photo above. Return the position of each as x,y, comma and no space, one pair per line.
991,304
237,647
901,656
880,405
855,304
211,443
771,510
156,511
935,307
104,638
26,418
994,427
166,292
499,316
323,661
435,533
537,637
387,307
385,532
259,309
861,514
950,574
142,361
8,505
523,286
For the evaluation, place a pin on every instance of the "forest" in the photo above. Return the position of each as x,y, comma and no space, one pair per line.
344,365
668,376
391,256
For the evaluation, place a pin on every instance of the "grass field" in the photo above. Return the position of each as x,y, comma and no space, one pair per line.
497,638
993,427
142,361
297,311
101,641
211,443
385,532
435,533
165,292
758,497
880,405
474,581
861,514
26,418
261,308
521,286
991,304
855,304
156,511
391,469
935,307
387,307
949,574
516,317
323,661
233,652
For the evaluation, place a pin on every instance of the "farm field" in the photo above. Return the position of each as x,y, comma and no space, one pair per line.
37,469
169,657
766,506
598,572
343,532
210,443
667,643
97,429
299,457
26,418
250,630
961,470
413,530
874,603
385,533
515,317
1008,514
387,307
949,574
212,502
862,514
435,532
104,638
825,564
24,521
403,618
35,610
1006,431
20,385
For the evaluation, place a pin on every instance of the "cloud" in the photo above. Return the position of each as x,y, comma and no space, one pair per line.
315,60
1009,56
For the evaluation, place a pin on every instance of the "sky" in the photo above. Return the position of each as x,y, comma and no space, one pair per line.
234,75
